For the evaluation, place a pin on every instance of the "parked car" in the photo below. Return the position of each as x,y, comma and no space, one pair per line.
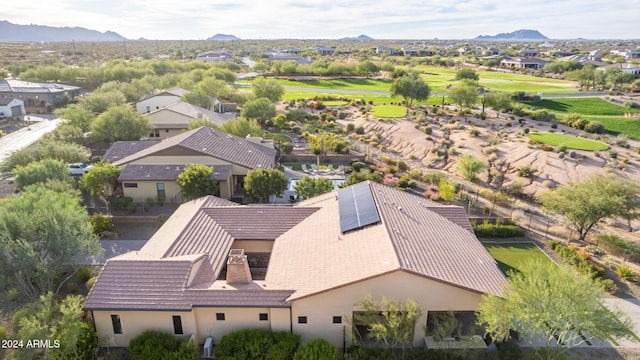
79,168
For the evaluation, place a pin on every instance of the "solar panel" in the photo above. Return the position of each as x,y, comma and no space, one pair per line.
356,207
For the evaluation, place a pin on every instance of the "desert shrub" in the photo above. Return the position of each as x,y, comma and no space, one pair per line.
359,130
415,174
428,130
342,115
122,203
101,223
350,127
474,132
613,154
526,171
608,285
257,344
594,127
579,260
317,349
543,115
562,148
625,272
402,166
358,165
153,344
595,250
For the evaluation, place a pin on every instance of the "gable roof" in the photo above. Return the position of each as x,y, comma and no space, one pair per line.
4,101
179,92
310,254
214,143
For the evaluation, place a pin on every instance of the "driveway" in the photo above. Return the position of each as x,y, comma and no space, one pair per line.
26,136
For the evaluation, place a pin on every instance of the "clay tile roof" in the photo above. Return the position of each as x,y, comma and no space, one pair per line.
216,144
135,172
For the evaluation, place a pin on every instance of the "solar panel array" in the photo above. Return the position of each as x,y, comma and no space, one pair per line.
356,207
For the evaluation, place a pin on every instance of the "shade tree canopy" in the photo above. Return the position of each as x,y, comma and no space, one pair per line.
309,187
263,183
120,123
410,88
268,89
196,180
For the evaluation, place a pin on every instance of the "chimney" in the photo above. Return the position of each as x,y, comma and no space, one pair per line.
238,268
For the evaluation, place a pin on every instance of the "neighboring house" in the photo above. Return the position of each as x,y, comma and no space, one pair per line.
216,56
159,99
11,107
384,50
323,50
523,63
150,168
526,53
280,56
410,51
626,67
583,59
216,266
36,94
174,119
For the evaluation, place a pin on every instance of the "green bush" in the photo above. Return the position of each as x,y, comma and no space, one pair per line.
370,353
317,349
257,344
101,223
625,272
487,230
594,127
153,344
87,343
358,165
579,260
620,247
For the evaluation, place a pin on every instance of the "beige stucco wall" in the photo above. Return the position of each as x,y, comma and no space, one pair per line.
147,189
399,286
262,246
235,319
135,322
156,102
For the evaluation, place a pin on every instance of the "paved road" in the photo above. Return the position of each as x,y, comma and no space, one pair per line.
24,137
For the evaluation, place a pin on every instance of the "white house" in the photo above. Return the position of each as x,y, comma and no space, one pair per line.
11,107
158,100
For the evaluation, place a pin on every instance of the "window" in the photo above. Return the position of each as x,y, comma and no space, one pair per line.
337,319
220,316
264,317
302,319
155,133
160,188
177,325
117,325
130,185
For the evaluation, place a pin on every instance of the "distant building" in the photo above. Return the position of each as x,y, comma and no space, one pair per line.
11,107
626,67
36,94
174,119
523,63
158,99
216,56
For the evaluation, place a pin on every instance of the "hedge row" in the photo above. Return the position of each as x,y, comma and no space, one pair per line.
497,230
579,259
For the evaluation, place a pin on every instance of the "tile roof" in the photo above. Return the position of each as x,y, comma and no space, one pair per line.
214,143
161,285
4,101
121,149
20,86
179,92
135,172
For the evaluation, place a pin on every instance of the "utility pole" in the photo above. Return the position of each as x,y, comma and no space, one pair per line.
124,44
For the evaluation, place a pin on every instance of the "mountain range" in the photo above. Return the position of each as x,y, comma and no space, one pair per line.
515,35
358,38
15,32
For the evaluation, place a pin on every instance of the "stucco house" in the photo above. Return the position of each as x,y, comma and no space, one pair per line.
159,99
11,107
173,119
36,94
523,63
150,168
216,266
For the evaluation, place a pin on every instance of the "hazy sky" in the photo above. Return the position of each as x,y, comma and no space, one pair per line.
305,19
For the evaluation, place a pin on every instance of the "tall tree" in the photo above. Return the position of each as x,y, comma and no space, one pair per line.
100,101
467,73
499,101
465,94
410,87
214,87
196,180
79,116
309,187
101,180
585,203
42,171
41,232
120,123
552,303
261,109
64,151
268,89
469,166
198,98
265,182
242,127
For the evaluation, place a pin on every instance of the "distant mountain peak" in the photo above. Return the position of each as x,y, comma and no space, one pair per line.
15,32
223,37
361,37
522,34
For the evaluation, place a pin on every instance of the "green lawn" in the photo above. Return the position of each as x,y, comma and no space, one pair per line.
510,255
583,106
334,103
377,99
282,138
340,84
571,141
389,111
620,125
